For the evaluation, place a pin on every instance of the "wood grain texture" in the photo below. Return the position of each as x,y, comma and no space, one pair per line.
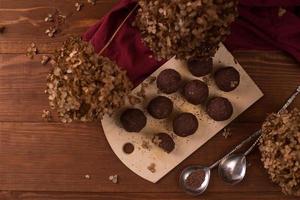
24,22
137,196
40,160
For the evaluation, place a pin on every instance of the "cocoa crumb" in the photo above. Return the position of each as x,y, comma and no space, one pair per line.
151,168
226,133
2,29
195,179
146,145
128,148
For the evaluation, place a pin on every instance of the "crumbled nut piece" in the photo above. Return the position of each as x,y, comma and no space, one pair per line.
87,176
83,85
114,178
32,51
146,145
226,133
156,140
281,11
151,167
46,115
78,6
184,28
280,147
49,18
142,92
151,79
93,2
234,84
133,100
45,59
51,31
2,29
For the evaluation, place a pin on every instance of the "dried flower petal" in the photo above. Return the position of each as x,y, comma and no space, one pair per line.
31,51
78,6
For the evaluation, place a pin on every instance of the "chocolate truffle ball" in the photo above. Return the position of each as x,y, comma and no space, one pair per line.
219,108
133,120
185,124
168,81
227,79
195,92
200,67
160,107
164,141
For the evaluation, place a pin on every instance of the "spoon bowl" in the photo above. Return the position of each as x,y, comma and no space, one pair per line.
183,180
232,169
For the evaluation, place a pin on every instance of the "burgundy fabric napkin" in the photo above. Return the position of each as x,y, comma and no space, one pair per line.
258,27
126,48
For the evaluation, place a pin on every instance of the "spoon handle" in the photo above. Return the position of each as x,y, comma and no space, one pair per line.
251,137
256,133
284,107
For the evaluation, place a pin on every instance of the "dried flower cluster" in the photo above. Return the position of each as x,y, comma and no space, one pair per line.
187,29
280,150
83,85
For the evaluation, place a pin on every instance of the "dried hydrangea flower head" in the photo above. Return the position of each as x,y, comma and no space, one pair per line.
187,29
83,85
280,150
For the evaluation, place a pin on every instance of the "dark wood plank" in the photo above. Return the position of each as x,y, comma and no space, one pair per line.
139,196
22,84
55,157
24,21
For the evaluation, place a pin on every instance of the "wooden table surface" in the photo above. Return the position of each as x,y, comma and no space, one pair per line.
41,160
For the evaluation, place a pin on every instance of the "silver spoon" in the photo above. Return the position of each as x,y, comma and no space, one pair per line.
189,170
232,169
206,170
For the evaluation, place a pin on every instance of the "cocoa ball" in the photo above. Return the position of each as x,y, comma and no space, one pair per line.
195,92
160,107
168,81
200,67
185,124
164,141
227,79
133,120
219,108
